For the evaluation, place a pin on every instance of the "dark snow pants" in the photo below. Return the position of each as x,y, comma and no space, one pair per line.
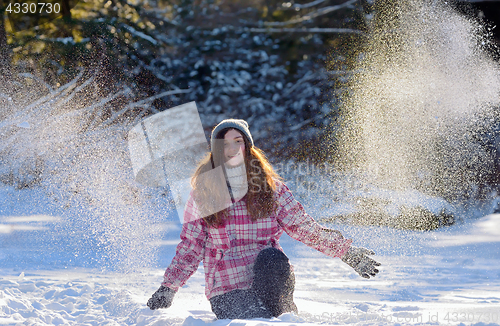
270,296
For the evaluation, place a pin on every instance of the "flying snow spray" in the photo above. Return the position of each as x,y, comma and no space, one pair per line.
420,113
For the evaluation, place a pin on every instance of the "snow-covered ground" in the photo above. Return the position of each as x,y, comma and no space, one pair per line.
55,271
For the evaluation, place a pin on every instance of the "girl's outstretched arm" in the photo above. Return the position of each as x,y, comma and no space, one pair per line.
299,225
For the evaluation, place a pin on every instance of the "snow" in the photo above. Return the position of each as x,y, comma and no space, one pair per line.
450,276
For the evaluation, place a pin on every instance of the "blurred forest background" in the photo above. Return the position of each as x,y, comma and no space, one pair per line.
282,65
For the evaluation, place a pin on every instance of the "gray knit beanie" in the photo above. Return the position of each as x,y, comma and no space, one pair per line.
238,124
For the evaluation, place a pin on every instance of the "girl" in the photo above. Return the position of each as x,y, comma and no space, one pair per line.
234,217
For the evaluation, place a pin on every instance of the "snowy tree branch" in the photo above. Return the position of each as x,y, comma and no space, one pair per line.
28,75
301,124
307,5
306,30
152,98
317,13
308,76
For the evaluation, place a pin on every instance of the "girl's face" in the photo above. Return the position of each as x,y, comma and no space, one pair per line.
234,147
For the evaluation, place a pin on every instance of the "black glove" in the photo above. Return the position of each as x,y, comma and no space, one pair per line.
357,258
162,298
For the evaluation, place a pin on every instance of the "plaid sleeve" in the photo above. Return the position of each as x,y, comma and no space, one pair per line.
190,250
299,225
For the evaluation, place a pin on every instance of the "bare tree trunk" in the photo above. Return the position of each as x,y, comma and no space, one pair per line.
66,10
5,69
66,17
5,55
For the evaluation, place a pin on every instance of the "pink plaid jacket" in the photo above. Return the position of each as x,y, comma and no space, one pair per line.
229,252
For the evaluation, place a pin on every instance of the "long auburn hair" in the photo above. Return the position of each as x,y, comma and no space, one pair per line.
261,177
